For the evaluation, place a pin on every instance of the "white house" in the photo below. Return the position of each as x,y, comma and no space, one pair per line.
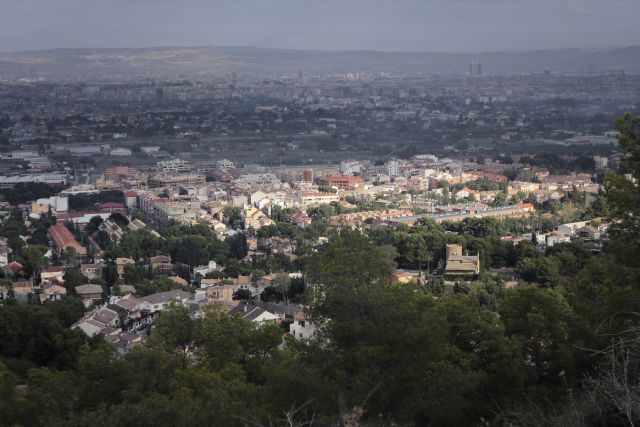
571,227
256,197
252,313
157,302
557,237
204,269
302,328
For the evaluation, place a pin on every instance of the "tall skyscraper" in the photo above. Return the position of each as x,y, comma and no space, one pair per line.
475,68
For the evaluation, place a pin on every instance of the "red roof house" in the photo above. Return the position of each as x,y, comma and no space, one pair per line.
63,239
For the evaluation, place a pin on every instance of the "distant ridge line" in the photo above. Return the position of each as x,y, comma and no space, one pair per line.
209,61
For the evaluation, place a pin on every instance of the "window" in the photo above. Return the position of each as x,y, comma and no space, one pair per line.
301,323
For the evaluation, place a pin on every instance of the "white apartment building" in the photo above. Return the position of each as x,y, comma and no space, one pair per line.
174,165
56,203
307,198
393,168
120,152
23,154
225,165
350,167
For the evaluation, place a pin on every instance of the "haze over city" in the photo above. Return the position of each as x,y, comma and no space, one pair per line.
398,25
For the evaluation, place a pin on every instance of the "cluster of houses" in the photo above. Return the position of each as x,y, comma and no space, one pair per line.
25,291
177,192
125,321
592,231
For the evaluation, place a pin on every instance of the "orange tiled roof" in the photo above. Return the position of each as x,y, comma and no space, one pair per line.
342,178
62,237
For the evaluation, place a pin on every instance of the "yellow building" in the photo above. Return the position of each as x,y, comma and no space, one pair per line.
457,263
256,219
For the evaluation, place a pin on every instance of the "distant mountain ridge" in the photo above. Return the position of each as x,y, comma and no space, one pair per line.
208,61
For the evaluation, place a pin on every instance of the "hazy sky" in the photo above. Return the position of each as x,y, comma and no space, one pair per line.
427,25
